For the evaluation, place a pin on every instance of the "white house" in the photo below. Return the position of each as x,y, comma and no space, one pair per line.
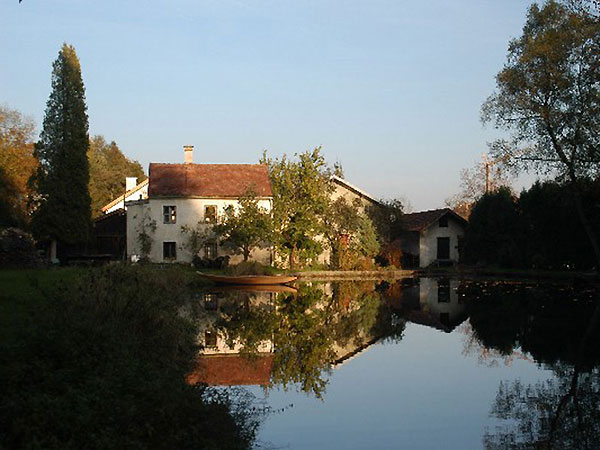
192,196
432,236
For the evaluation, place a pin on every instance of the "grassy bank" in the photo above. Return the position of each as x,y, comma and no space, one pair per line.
96,358
509,273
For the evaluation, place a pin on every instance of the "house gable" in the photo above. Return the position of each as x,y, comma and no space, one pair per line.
344,188
421,221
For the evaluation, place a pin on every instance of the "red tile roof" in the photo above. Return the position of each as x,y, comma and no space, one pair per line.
232,370
420,221
208,180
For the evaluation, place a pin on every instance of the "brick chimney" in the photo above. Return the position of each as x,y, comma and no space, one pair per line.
188,154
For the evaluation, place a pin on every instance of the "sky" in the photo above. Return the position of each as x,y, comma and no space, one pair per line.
390,89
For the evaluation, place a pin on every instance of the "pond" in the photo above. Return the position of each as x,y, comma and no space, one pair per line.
416,363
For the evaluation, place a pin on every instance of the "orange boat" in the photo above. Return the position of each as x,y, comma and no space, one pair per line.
249,279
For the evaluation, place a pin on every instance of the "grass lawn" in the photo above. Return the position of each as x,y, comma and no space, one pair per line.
22,291
97,357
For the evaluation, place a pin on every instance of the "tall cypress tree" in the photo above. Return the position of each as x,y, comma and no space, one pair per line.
64,212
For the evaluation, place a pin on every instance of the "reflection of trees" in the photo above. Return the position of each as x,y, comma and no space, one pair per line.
548,321
310,329
561,413
558,326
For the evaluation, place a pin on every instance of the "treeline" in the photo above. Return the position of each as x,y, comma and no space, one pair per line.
540,228
108,167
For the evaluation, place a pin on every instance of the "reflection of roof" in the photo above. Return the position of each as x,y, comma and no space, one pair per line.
121,197
208,180
232,370
431,321
358,350
420,221
354,189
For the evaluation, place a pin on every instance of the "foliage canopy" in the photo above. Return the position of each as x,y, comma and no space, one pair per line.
548,97
301,192
246,227
17,165
108,169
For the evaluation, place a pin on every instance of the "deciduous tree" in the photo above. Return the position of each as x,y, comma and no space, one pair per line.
548,97
301,192
63,212
350,233
485,176
108,169
246,227
17,164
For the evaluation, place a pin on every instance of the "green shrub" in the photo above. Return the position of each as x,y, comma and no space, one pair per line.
105,366
249,268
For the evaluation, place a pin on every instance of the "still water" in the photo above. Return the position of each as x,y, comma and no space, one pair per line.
417,363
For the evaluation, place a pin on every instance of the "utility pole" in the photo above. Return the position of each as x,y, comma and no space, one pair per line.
487,173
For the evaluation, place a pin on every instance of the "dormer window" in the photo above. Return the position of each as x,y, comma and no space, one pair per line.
169,214
444,222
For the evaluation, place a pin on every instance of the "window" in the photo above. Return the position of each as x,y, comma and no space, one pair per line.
210,339
443,222
445,319
210,214
169,214
210,250
443,248
169,251
211,302
443,290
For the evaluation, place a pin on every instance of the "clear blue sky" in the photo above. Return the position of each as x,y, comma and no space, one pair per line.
391,89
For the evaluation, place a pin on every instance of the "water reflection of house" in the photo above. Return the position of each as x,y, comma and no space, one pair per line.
433,302
221,362
215,341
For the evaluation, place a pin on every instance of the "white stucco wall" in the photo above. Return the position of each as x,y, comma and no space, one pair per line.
429,300
428,241
190,211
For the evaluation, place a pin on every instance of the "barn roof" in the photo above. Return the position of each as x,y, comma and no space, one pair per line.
208,180
420,221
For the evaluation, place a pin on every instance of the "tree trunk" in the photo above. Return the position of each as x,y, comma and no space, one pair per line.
246,253
292,256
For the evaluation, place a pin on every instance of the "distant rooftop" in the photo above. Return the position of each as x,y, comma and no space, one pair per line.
422,220
353,188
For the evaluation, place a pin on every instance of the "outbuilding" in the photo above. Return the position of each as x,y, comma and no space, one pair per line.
433,236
